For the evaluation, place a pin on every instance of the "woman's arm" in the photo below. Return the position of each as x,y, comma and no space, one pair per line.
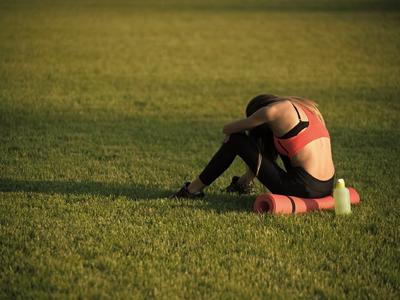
261,116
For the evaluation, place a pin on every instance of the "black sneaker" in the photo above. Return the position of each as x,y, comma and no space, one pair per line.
184,193
236,187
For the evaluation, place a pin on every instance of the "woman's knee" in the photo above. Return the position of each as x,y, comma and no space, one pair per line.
237,139
242,145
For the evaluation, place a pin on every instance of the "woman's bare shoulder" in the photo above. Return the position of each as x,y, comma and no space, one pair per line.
275,110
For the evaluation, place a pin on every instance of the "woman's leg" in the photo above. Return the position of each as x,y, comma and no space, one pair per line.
247,178
239,144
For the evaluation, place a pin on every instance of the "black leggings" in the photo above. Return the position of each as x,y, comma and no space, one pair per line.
295,181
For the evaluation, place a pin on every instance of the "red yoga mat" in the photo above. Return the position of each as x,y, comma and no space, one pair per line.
281,204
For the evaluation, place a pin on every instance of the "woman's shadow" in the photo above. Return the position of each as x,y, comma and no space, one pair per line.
218,202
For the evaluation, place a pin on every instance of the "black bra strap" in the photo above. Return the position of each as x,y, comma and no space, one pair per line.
295,130
298,114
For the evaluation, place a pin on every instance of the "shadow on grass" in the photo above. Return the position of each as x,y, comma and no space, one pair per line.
134,191
223,202
217,202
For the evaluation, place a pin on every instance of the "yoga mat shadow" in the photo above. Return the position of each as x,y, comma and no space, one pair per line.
281,204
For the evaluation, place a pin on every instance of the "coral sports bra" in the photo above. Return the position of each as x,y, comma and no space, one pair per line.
293,141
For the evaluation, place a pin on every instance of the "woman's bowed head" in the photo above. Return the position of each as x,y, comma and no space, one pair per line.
289,127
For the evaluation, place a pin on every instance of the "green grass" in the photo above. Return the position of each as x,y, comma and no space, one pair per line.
107,107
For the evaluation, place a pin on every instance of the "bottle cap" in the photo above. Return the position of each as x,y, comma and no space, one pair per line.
340,184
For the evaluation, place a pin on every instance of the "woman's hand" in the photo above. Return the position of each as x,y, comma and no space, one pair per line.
226,139
229,128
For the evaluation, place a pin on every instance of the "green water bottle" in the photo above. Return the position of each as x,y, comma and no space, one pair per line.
342,198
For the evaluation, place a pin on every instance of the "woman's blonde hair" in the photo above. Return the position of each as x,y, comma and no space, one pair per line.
309,104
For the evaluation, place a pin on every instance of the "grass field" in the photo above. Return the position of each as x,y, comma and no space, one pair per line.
107,107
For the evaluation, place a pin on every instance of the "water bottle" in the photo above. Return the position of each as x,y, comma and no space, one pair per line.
342,198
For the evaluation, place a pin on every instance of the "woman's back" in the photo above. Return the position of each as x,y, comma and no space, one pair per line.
311,147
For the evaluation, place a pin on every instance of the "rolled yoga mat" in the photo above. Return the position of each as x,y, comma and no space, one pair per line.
281,204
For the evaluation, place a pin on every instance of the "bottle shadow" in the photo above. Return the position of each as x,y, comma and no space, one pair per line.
217,202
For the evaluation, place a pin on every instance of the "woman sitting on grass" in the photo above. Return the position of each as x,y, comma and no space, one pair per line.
292,127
